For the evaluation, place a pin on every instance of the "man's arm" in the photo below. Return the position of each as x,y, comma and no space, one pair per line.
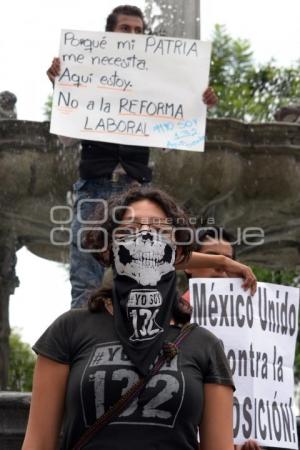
232,268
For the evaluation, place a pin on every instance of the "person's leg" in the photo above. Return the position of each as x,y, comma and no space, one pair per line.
85,276
85,272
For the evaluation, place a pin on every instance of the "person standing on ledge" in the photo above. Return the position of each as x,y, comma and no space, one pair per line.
105,169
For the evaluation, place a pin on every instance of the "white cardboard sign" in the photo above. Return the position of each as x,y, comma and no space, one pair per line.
138,90
259,335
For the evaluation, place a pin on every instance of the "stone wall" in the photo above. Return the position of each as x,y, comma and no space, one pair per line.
14,408
248,176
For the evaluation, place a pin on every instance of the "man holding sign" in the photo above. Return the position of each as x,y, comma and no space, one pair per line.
105,167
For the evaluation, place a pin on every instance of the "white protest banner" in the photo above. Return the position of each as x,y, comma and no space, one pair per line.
131,89
259,335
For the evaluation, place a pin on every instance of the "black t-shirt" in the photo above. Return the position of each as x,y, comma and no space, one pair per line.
167,413
99,159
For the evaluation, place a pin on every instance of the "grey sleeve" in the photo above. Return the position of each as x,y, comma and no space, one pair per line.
218,370
55,342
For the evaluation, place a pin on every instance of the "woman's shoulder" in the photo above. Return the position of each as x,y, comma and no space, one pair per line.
72,315
81,317
208,351
205,334
67,333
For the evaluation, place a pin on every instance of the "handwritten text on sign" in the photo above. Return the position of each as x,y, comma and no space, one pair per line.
133,90
259,335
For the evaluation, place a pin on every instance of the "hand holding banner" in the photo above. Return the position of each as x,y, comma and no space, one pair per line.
142,90
259,335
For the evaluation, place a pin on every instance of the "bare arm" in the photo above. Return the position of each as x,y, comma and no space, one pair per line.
231,267
47,404
217,423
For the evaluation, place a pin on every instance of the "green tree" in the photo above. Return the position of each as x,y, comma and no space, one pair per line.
48,107
248,91
21,364
285,277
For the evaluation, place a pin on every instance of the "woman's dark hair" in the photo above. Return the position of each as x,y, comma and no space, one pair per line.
182,311
126,10
97,299
108,216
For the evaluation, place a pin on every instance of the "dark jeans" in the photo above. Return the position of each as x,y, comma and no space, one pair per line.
85,272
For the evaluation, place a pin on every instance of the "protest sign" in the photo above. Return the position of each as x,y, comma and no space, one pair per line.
138,90
259,335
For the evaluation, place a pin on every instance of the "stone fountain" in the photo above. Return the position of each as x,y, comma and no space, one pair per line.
248,177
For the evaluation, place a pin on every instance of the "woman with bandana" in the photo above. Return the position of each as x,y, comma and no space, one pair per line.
92,360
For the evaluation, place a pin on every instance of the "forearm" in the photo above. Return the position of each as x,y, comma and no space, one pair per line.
39,436
228,265
198,260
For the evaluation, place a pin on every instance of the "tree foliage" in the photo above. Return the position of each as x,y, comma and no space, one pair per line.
285,277
21,364
48,107
248,91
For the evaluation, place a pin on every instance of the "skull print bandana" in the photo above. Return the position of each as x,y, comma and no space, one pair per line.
144,292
